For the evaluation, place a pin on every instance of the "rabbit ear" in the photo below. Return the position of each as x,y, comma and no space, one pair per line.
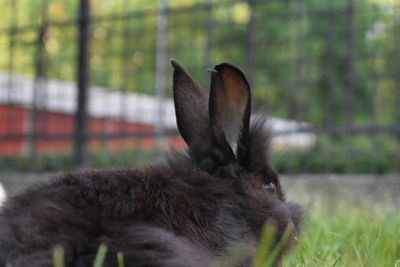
230,109
190,107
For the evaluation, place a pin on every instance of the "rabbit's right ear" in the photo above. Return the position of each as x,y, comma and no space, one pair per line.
230,109
191,109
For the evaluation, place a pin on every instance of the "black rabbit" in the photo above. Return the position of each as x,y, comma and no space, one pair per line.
184,210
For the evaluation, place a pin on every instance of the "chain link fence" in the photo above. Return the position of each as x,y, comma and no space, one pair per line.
87,83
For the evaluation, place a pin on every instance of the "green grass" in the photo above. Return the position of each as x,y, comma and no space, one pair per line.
338,235
348,235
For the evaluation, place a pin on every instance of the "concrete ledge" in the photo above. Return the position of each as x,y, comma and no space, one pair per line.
16,182
332,188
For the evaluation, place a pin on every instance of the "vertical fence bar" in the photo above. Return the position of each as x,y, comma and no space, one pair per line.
11,50
350,63
80,138
350,71
397,86
298,106
209,40
375,57
126,74
38,84
251,43
327,60
12,46
108,57
266,43
161,69
327,83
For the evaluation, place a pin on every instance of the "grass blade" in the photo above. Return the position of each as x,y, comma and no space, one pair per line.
307,250
338,259
265,244
279,247
120,259
100,256
58,256
358,255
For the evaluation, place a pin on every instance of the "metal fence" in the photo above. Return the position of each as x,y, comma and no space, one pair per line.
94,75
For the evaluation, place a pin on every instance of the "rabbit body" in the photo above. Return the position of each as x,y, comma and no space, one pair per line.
184,210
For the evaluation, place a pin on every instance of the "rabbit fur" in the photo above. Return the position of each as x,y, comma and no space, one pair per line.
187,209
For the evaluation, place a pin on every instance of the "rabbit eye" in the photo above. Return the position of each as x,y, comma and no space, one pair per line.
271,187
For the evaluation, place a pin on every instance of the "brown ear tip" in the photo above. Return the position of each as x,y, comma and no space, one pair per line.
228,65
222,64
174,63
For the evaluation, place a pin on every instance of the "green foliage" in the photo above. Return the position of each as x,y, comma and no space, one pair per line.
359,154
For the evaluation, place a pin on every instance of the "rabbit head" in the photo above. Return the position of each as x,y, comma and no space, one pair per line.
226,143
217,129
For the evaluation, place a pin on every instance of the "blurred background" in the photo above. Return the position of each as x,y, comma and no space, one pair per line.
88,83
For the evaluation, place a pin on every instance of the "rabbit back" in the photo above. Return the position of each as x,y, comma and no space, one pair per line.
128,210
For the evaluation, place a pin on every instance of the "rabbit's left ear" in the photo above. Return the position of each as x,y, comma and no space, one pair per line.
230,110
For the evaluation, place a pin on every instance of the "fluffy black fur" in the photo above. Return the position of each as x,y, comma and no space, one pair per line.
184,210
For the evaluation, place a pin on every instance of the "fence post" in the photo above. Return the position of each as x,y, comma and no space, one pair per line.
326,83
209,40
298,100
349,101
12,41
350,63
80,138
127,74
37,85
161,69
251,43
397,87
